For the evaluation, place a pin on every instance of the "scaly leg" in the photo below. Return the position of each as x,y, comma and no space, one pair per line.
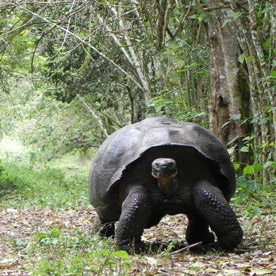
214,208
133,220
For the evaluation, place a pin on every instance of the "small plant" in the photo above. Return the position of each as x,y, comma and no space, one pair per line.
57,252
117,261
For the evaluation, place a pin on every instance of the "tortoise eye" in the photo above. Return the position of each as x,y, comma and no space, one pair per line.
171,165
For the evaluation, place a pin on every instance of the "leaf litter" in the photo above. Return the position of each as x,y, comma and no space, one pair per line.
256,256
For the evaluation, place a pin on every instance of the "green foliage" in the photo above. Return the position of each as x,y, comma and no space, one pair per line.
254,196
182,96
64,128
256,181
50,127
251,192
167,107
56,250
64,67
15,48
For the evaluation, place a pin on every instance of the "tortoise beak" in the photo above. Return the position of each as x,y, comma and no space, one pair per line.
159,175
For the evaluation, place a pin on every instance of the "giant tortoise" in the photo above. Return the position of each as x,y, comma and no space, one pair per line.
160,166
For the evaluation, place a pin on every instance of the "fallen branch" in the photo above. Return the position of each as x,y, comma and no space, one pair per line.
227,6
187,248
217,8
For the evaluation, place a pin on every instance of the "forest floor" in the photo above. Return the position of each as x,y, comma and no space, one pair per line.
46,223
25,233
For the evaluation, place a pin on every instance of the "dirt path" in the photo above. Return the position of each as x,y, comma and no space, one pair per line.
18,228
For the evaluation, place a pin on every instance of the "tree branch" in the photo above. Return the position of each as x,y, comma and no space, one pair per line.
94,114
84,42
133,57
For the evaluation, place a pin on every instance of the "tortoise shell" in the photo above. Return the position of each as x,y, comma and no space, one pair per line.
118,153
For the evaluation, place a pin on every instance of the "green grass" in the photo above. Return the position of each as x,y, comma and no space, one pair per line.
22,185
74,163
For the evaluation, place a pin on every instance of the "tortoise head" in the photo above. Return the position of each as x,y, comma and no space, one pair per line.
165,170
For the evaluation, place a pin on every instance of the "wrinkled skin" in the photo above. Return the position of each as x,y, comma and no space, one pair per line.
197,195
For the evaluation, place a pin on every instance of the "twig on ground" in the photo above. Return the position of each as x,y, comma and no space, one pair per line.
187,248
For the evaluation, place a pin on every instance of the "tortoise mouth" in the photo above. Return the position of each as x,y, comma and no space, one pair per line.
164,168
158,174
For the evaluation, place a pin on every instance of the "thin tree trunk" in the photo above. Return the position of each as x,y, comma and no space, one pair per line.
161,23
273,57
219,112
236,85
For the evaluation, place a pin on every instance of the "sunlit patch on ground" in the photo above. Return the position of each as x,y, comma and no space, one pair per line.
8,144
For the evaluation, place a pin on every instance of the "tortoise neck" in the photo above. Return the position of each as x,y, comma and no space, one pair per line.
167,185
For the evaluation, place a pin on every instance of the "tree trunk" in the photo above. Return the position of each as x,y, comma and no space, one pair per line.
229,101
273,57
219,106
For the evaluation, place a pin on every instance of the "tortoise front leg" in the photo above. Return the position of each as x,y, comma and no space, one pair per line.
134,217
214,208
198,230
